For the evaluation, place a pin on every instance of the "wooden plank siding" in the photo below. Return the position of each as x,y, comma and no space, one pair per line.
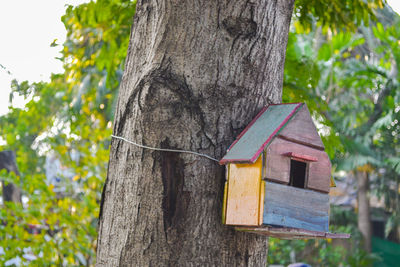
243,197
290,233
294,207
278,164
261,206
301,129
319,174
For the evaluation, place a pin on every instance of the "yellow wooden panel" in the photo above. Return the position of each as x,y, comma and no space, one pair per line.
261,208
224,203
243,203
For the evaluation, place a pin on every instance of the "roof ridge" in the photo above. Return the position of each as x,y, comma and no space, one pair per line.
262,147
249,126
277,130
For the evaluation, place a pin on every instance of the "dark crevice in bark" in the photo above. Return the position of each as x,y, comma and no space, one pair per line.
244,27
148,9
137,93
175,202
103,196
175,199
246,257
239,28
117,149
165,78
127,110
157,79
218,15
180,101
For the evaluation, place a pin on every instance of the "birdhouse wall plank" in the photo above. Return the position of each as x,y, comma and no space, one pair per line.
319,174
261,208
301,129
293,207
224,203
278,164
290,233
243,201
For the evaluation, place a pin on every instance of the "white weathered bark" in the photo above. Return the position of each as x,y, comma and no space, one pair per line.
196,73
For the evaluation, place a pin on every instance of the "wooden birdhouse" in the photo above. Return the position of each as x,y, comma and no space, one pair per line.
279,176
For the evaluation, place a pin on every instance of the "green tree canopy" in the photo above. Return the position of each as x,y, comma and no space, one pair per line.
69,118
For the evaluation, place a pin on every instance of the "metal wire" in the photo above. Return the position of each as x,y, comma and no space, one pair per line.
164,149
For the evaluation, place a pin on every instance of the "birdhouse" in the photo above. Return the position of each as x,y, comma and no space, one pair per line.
279,176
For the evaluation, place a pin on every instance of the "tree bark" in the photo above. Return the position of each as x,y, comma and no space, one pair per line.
10,191
196,73
364,219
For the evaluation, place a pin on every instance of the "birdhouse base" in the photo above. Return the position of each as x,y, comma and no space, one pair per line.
290,233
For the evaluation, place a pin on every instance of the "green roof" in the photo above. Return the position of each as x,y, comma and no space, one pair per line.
260,132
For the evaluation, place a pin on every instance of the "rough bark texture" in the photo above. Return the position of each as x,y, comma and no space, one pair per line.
10,191
364,220
196,73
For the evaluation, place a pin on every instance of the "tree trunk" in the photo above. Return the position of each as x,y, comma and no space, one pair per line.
364,219
196,73
10,191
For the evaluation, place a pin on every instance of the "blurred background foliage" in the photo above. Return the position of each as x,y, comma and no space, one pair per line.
350,81
67,122
342,60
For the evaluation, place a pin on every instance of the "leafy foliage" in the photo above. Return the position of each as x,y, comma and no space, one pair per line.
350,83
67,120
336,14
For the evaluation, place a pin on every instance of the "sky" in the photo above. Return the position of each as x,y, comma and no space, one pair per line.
27,28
